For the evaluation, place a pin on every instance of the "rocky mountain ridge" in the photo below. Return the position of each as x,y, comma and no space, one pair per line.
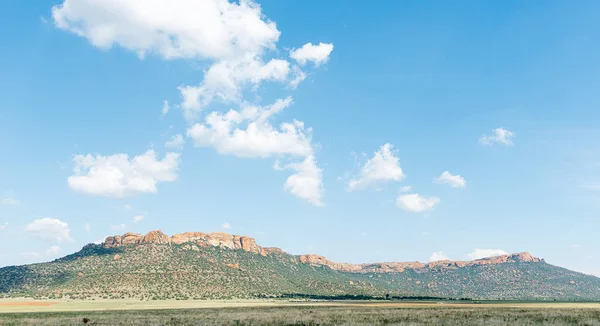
246,243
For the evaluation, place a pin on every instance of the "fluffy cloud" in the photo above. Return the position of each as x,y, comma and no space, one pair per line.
383,166
118,176
249,133
232,37
437,256
175,142
208,29
307,182
260,138
483,253
49,229
226,225
225,81
416,203
317,54
9,201
456,181
498,136
138,218
238,45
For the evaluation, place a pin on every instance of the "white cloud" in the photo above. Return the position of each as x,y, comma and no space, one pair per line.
118,176
3,226
249,133
165,107
49,229
405,189
175,142
483,253
232,38
307,182
260,138
87,227
127,207
208,29
118,227
499,136
238,46
416,203
437,256
225,81
317,54
9,201
456,181
297,77
226,225
138,218
383,166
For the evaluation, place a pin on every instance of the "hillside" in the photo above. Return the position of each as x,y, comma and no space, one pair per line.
219,265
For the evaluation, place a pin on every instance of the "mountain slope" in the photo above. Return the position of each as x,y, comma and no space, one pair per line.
218,265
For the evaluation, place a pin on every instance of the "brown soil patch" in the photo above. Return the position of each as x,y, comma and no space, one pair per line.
26,304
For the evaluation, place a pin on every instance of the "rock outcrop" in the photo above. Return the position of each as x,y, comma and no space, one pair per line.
392,267
194,240
216,239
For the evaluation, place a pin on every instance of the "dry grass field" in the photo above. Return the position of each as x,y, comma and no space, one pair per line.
263,312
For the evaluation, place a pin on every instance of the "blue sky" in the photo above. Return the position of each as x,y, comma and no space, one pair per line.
503,96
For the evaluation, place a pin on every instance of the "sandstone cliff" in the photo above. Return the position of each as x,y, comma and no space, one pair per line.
225,240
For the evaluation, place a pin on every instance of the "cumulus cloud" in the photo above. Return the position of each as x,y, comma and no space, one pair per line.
138,218
175,142
233,38
119,176
225,81
316,54
249,133
455,181
259,138
238,45
307,182
483,253
208,29
49,229
383,166
437,256
226,225
499,136
9,201
416,203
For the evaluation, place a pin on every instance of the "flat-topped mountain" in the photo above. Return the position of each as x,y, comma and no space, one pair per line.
220,265
246,243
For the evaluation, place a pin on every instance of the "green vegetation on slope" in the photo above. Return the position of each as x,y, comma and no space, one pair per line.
187,271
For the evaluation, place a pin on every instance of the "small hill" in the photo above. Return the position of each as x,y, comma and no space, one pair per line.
220,265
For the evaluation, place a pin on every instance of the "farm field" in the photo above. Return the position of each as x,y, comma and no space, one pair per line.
278,312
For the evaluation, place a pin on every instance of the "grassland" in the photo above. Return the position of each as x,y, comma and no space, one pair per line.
274,312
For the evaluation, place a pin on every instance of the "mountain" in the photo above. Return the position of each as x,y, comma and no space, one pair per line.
221,265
